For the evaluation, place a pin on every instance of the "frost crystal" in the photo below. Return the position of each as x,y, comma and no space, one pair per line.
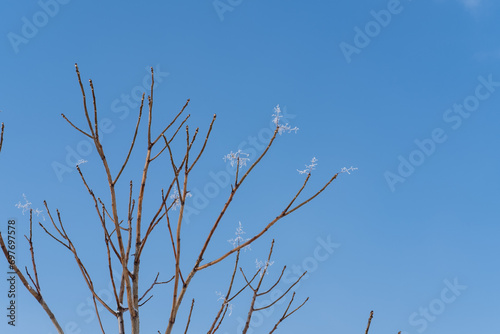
348,170
259,264
237,158
27,206
238,240
224,300
310,167
221,296
282,127
176,198
81,161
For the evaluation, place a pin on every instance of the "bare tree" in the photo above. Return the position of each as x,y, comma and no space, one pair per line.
125,234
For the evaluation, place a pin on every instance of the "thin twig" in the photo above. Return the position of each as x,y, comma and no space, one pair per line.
1,137
32,251
133,141
153,284
84,102
189,317
85,133
369,322
173,121
285,314
213,329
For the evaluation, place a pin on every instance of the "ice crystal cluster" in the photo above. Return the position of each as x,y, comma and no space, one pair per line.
27,206
282,127
238,158
310,167
176,199
238,240
348,170
263,266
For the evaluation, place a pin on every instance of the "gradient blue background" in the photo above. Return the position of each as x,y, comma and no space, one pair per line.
396,247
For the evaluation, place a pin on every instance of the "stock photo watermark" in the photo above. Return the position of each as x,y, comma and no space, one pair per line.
32,25
122,107
364,36
223,6
12,308
453,117
429,313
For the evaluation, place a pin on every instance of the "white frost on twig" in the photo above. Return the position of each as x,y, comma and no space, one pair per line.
224,300
261,265
176,198
238,240
27,206
282,127
221,296
348,170
237,158
310,167
81,162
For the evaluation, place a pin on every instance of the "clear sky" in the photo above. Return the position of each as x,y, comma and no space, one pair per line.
406,91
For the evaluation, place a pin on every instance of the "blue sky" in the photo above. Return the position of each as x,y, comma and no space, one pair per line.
408,92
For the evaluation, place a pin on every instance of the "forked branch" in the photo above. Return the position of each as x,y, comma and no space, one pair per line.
35,292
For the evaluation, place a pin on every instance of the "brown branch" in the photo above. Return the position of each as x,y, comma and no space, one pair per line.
56,239
95,110
98,314
173,136
171,236
131,205
173,121
133,293
31,279
246,285
84,102
256,290
285,315
36,294
71,247
204,143
246,280
275,284
182,198
369,322
125,272
314,196
268,226
261,156
226,205
32,251
153,284
288,290
156,219
110,267
189,317
147,300
1,137
99,148
101,217
133,141
85,133
226,297
298,192
196,267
